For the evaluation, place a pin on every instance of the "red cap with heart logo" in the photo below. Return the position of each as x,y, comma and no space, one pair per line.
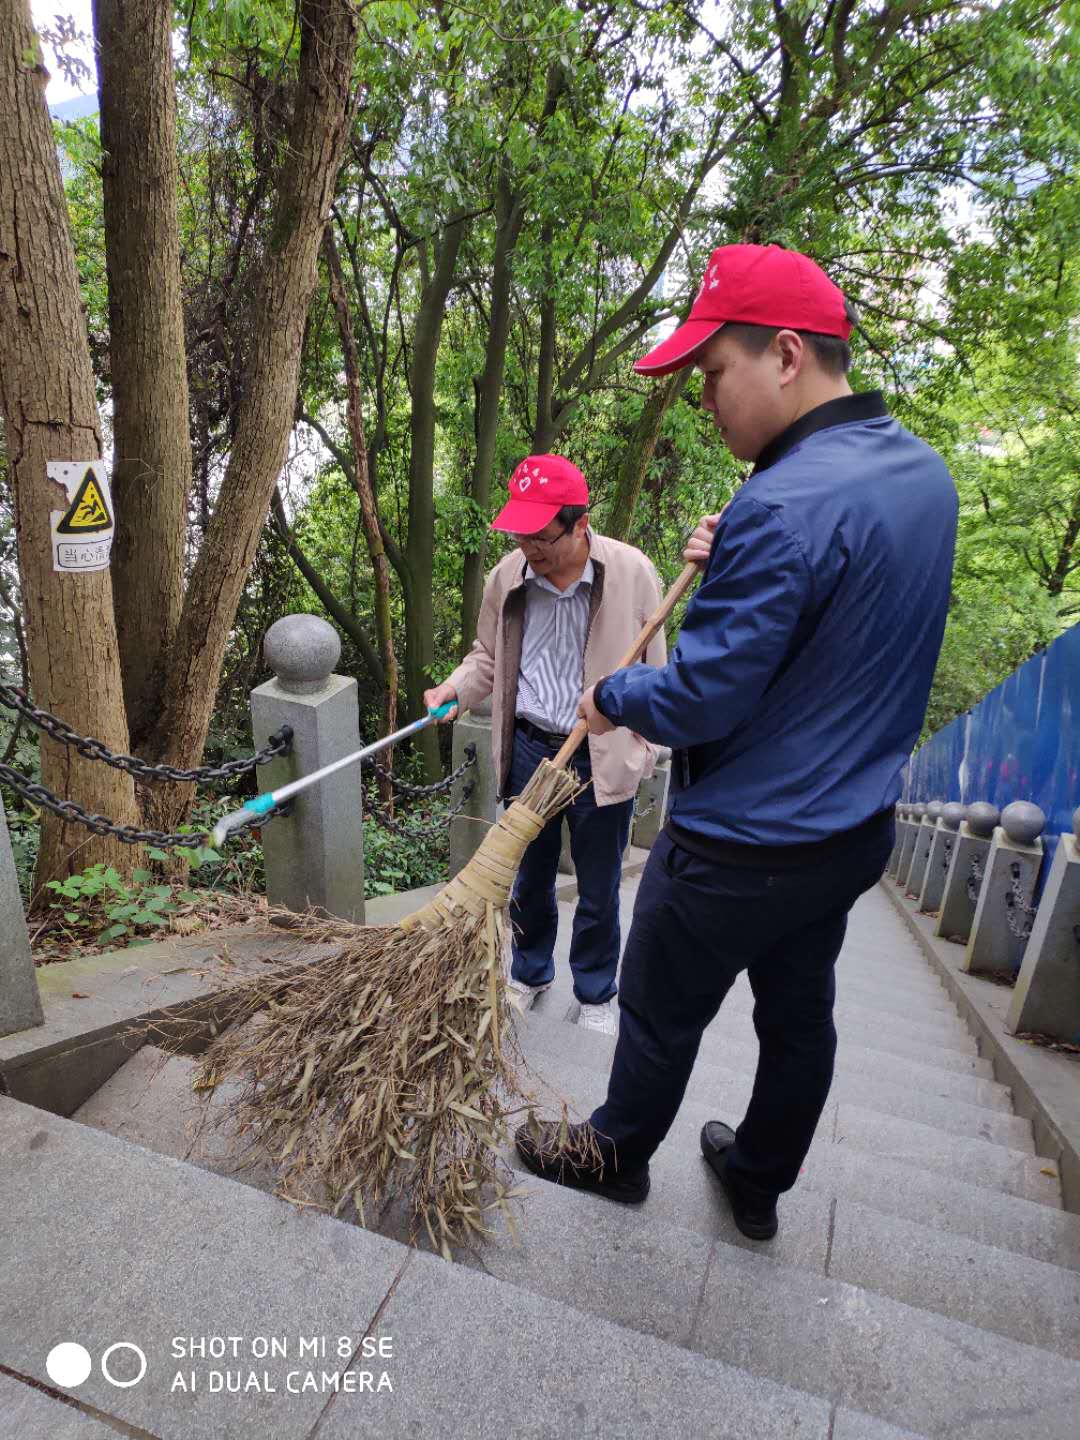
539,488
753,285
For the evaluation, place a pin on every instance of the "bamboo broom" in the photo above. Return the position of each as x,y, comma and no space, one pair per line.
387,1070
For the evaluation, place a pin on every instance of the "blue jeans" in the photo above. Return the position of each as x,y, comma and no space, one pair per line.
598,836
696,925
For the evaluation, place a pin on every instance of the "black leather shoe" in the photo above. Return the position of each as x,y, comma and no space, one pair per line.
576,1163
756,1220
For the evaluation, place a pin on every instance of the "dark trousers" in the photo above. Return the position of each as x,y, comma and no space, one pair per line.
598,836
696,925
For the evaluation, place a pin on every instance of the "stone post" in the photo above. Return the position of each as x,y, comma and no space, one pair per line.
652,797
20,1003
314,856
901,831
1016,856
972,844
941,848
907,849
924,838
477,815
1047,994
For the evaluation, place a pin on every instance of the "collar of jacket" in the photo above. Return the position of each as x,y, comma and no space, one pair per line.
844,410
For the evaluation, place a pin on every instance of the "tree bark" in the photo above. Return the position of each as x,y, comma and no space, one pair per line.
639,452
369,513
509,214
420,546
151,475
50,413
315,143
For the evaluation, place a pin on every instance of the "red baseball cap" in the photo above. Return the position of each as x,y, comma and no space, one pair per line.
753,285
539,488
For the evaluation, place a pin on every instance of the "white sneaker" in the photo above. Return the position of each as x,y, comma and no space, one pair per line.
524,996
598,1017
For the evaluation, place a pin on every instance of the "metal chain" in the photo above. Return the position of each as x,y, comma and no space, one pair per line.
975,878
100,825
415,790
409,832
648,810
947,854
1017,910
15,699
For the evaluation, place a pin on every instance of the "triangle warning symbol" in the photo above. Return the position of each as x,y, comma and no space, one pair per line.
88,511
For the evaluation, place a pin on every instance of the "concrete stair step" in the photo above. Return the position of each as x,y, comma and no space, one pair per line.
562,1232
930,1372
920,1019
164,1248
150,1103
895,972
547,1034
938,1198
885,1034
944,1112
872,1133
1029,1300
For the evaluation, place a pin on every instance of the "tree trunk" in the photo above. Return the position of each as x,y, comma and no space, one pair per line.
420,547
49,410
509,214
151,474
369,514
316,140
639,452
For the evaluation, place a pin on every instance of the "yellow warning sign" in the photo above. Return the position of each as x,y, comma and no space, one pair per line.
88,512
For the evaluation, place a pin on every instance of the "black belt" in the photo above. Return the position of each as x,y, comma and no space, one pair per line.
551,738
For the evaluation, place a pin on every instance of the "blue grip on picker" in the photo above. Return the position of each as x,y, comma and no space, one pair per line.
260,804
442,710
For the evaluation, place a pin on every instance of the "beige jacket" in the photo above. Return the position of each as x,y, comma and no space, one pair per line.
625,592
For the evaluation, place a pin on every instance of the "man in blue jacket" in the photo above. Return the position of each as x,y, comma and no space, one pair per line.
792,701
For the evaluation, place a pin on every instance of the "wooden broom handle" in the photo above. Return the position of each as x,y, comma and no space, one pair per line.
648,630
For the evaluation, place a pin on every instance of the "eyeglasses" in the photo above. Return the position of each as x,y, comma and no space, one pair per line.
538,540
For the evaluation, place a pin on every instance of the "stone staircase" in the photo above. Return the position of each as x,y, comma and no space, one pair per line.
925,1280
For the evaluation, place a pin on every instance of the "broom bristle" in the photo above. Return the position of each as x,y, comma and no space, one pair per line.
390,1068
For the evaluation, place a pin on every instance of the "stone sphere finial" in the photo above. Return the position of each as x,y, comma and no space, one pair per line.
982,818
933,811
302,651
918,811
1023,822
952,814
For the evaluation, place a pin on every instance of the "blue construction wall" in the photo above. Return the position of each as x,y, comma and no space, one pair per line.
1022,742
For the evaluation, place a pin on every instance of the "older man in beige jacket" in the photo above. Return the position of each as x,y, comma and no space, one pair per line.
557,615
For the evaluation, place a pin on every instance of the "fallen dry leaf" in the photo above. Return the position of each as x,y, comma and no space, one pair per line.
1049,1170
187,924
78,995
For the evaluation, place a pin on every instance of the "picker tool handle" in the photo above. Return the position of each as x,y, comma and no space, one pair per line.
648,630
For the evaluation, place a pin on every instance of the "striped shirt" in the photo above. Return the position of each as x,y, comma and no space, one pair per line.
552,675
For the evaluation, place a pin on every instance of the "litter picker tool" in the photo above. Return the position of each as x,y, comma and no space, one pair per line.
267,801
387,1069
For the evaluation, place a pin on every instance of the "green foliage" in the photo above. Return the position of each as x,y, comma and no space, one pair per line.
99,905
395,862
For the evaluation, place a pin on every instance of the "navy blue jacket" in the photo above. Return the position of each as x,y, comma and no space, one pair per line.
800,679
